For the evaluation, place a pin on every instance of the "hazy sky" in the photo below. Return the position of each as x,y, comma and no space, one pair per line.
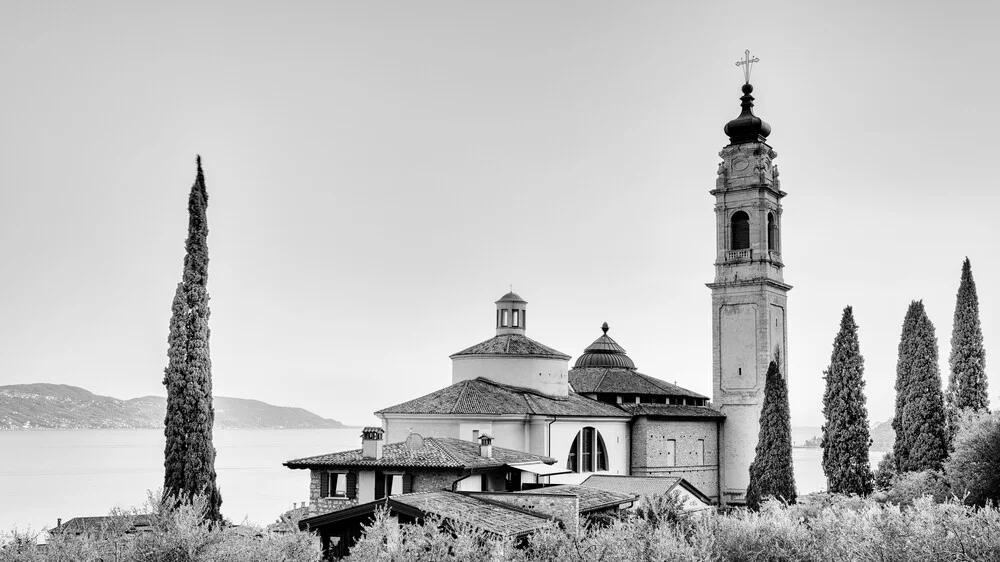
380,172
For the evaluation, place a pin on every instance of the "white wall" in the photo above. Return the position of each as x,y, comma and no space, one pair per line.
546,375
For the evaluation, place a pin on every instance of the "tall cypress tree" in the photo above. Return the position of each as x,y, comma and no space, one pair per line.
189,456
967,380
771,469
845,434
920,421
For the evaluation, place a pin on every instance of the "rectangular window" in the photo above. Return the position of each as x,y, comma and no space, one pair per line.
517,318
503,318
335,485
393,484
699,452
671,452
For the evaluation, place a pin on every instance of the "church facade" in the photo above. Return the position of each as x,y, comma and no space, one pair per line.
602,416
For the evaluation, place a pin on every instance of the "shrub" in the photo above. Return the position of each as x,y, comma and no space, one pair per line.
974,465
907,487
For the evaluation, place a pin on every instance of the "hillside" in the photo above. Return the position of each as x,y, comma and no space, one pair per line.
59,406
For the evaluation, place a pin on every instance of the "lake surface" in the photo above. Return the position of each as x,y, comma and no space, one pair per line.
45,475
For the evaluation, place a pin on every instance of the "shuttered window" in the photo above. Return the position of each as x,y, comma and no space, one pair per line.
333,485
379,485
352,485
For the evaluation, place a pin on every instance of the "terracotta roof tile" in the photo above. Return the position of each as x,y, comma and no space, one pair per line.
591,498
483,396
435,452
487,516
623,381
636,485
512,344
673,410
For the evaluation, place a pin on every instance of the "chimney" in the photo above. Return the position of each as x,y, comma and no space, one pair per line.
58,522
486,446
371,442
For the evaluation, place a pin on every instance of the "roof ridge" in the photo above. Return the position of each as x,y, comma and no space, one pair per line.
498,503
604,375
447,453
461,394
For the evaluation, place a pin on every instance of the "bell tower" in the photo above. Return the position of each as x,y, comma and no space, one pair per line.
749,292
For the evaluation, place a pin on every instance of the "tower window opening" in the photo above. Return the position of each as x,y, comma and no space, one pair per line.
741,231
772,233
516,322
503,318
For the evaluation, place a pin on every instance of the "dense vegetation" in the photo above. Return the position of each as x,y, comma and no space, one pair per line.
189,455
845,434
818,528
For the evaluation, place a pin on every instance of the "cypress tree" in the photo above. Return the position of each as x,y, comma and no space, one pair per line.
967,380
189,456
845,433
771,469
920,421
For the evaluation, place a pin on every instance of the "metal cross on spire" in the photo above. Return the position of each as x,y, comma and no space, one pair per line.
747,63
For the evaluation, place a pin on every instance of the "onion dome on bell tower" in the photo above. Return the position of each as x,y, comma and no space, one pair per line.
604,352
747,127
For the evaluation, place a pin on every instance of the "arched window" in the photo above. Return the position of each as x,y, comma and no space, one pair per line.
587,453
741,231
772,233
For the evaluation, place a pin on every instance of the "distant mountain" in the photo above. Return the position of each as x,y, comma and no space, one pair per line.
60,406
883,436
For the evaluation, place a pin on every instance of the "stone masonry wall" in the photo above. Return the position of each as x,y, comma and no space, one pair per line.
649,442
423,481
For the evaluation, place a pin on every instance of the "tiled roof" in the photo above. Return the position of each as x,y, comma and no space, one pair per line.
487,516
512,345
483,396
435,452
512,297
81,525
623,381
591,498
635,485
673,410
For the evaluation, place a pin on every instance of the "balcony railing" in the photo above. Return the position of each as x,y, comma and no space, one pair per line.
739,255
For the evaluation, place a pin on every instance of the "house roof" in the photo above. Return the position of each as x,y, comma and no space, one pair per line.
592,498
641,485
673,411
433,452
511,345
607,380
82,525
482,511
488,516
483,396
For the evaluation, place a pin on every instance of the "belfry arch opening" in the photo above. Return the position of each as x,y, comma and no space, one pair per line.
772,233
740,226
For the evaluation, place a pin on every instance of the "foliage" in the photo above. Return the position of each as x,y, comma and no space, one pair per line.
189,456
828,527
974,466
771,470
845,432
920,424
885,472
907,487
664,509
180,533
967,380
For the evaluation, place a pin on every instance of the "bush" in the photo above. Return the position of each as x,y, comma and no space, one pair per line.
179,533
885,472
907,487
974,465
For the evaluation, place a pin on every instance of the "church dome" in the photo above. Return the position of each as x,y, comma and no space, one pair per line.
747,127
604,352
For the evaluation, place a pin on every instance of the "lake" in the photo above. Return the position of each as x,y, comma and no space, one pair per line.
46,475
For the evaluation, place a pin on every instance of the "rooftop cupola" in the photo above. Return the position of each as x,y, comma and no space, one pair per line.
747,127
510,314
604,352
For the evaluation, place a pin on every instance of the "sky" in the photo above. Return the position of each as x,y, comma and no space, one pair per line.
379,173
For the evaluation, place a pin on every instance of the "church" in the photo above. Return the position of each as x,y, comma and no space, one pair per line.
519,415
